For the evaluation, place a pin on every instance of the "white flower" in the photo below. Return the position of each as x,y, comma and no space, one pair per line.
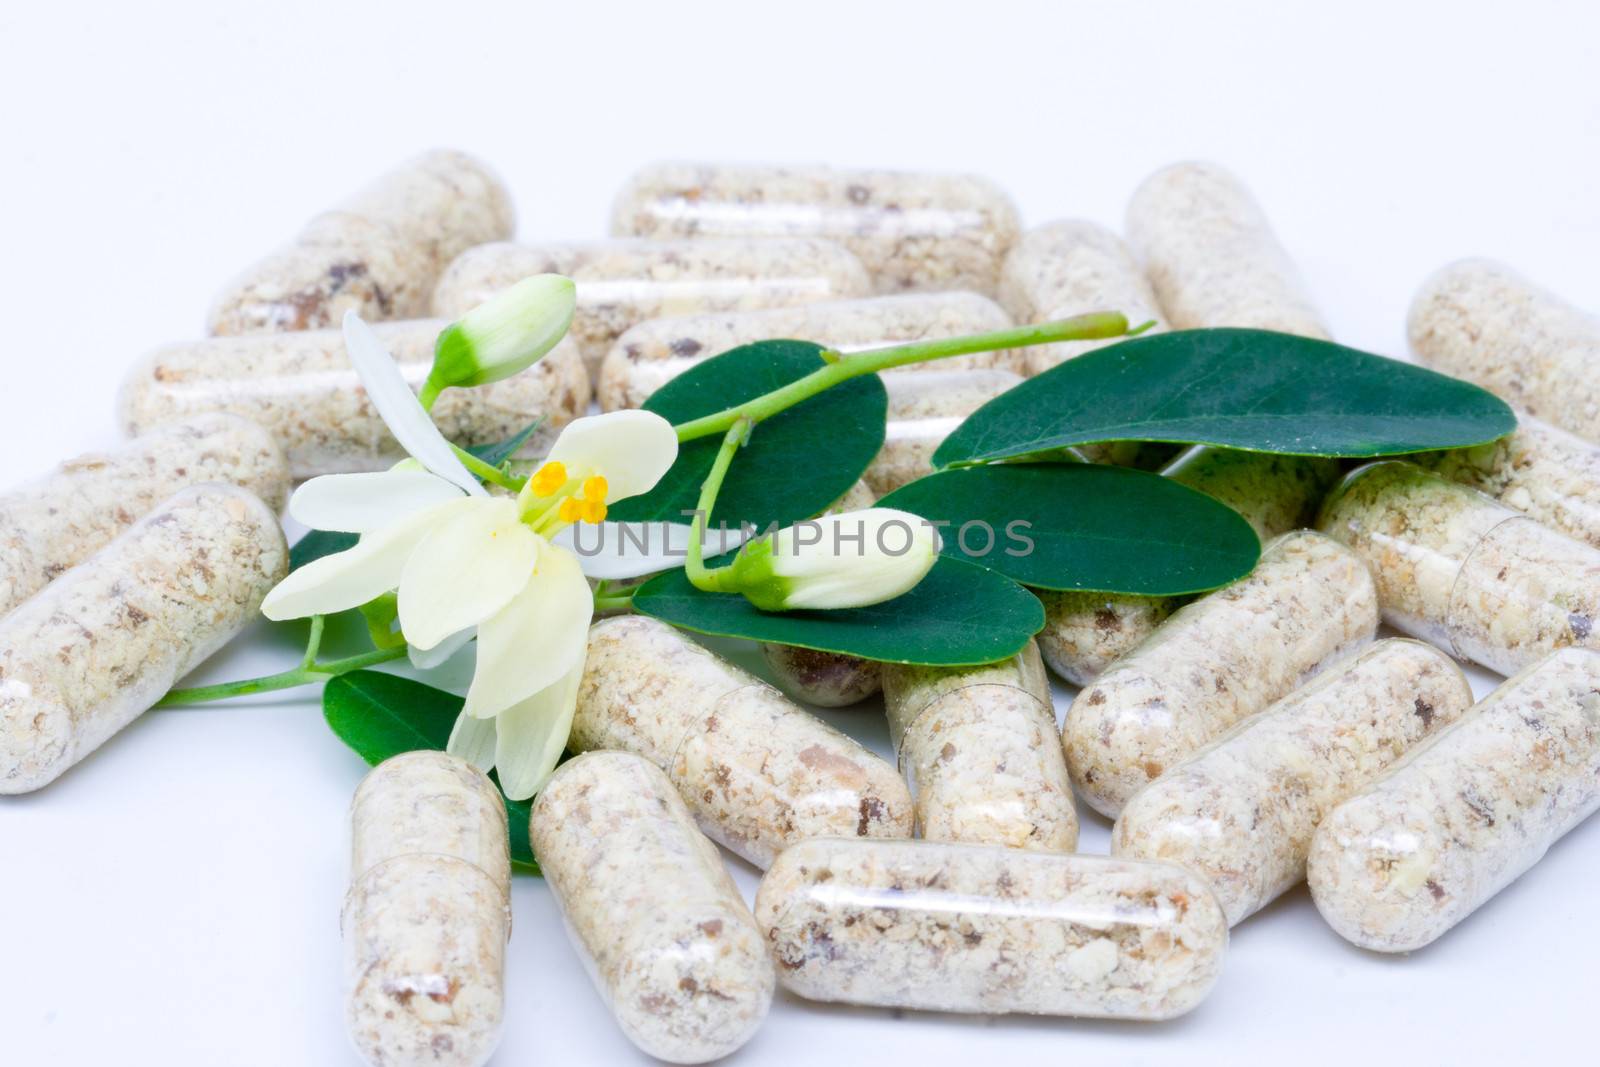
849,560
504,335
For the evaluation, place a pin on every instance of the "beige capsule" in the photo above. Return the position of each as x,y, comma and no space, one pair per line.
1479,320
756,770
1242,811
925,407
427,915
938,926
660,926
1462,817
1212,256
378,255
1460,569
63,518
302,388
653,353
622,283
102,643
979,748
1228,655
1073,267
914,231
823,679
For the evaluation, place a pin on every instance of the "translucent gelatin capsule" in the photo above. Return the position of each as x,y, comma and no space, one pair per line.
1480,320
626,282
55,523
1462,817
979,747
914,232
428,913
302,388
924,408
378,255
653,353
981,929
1242,811
1462,570
823,679
1211,255
1068,268
756,770
98,646
1228,655
660,926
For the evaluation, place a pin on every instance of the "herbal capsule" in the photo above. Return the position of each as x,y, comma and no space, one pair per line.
1211,254
1480,320
653,353
1457,568
914,232
1545,473
1242,811
1084,633
660,926
624,283
972,928
756,770
428,913
378,255
1462,817
979,747
88,653
62,519
302,388
1228,655
924,408
1068,268
823,679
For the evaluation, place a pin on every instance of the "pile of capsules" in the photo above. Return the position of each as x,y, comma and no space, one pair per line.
1242,741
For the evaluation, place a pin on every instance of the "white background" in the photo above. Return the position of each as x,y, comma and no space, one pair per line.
174,899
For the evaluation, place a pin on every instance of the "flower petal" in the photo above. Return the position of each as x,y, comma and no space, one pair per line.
473,740
425,659
530,737
350,578
632,449
399,407
468,567
536,639
632,549
361,503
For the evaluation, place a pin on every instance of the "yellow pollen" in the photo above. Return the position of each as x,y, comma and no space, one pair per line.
571,510
549,478
593,511
595,489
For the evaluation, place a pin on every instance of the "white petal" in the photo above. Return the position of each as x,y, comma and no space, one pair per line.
466,569
361,503
399,407
473,740
530,737
536,639
425,659
632,449
349,579
630,549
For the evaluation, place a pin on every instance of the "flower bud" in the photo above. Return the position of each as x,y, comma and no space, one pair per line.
849,560
504,335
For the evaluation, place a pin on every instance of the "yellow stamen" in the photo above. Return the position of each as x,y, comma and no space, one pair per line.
594,511
595,489
571,510
549,478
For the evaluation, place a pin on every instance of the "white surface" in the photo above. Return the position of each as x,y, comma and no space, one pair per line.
174,899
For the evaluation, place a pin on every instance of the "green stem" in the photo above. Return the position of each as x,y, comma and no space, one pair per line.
314,642
305,674
1096,326
620,602
737,434
488,473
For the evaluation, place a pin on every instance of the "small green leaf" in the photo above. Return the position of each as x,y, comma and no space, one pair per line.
797,462
496,454
382,715
1247,389
1089,527
319,543
957,616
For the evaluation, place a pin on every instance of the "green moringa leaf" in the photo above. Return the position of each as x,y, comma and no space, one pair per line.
1084,526
797,462
382,715
319,543
958,615
496,454
1248,389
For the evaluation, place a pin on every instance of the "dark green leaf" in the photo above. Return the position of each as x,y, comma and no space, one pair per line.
382,715
496,454
1247,389
319,543
958,615
1090,527
796,464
